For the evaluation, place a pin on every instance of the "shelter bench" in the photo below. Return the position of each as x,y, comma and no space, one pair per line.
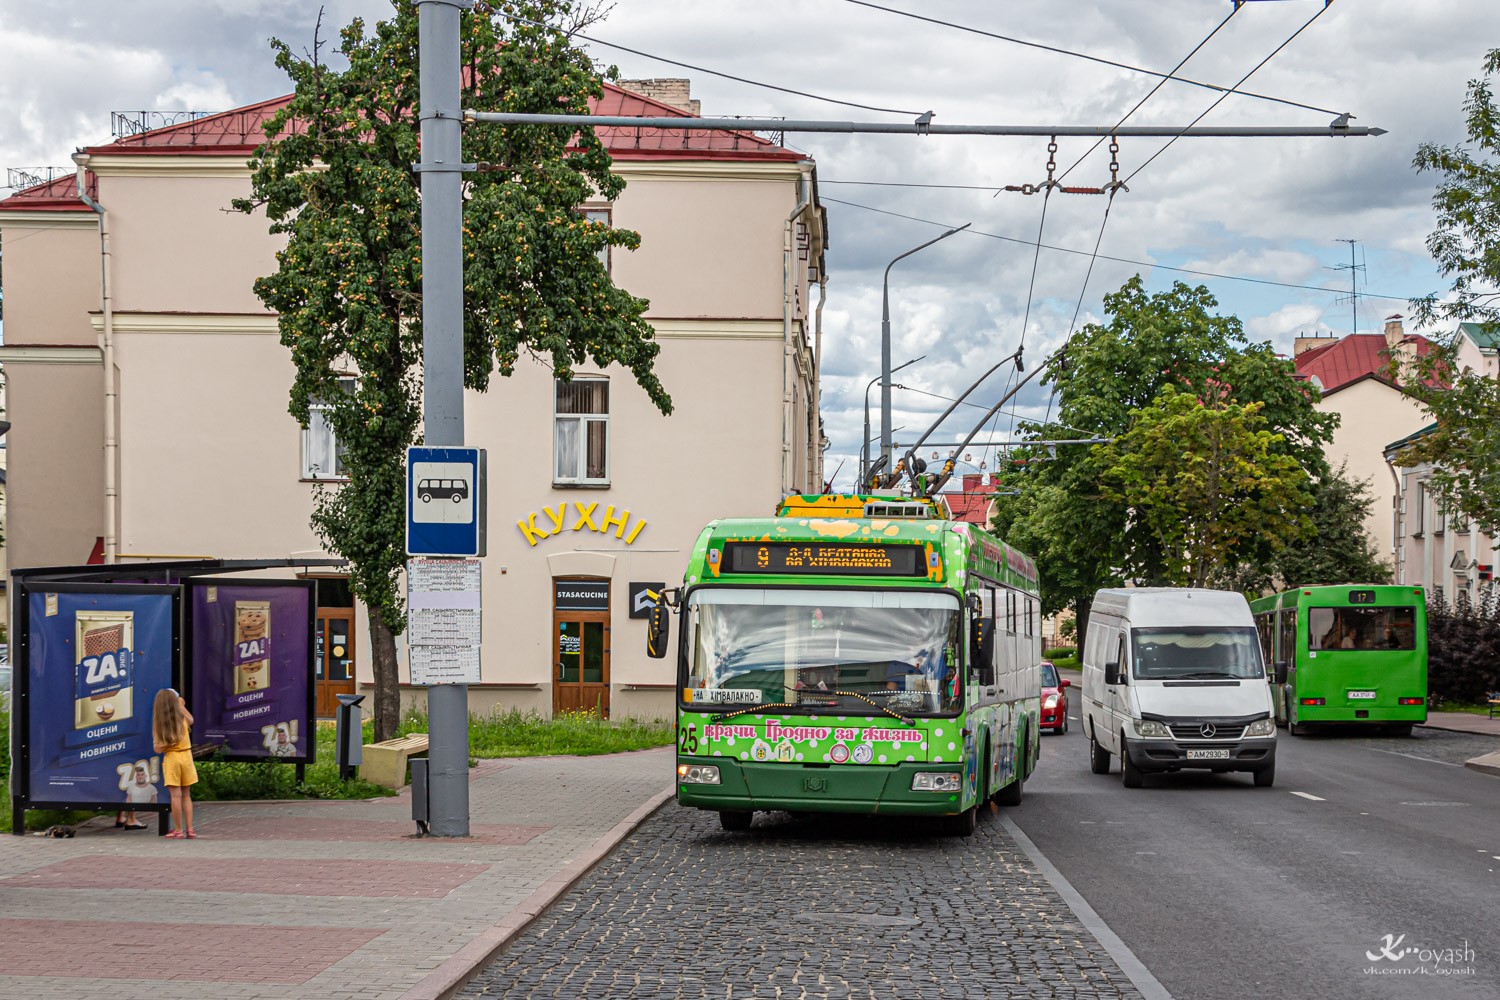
385,763
1494,702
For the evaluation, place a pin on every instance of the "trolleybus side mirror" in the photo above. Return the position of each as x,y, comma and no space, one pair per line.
982,651
1112,673
658,627
1280,671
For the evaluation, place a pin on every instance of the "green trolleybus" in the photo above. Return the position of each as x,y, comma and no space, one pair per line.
859,654
1350,653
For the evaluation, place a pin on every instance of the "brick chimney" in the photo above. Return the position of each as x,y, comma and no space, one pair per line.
674,92
1393,332
1308,343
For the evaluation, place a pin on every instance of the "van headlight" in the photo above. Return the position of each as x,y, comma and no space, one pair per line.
1152,730
1261,727
697,774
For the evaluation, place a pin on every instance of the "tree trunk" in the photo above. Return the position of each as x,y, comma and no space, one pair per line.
387,714
1081,606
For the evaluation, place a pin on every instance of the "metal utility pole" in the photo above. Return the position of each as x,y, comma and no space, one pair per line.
885,343
443,358
864,448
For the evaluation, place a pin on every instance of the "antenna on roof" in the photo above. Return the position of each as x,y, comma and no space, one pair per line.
1354,270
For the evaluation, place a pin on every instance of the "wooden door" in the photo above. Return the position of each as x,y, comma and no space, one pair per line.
333,657
580,653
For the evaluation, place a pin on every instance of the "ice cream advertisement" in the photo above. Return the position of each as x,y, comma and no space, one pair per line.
249,667
97,658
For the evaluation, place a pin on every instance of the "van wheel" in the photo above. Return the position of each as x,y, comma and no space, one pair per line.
1098,757
734,820
1265,777
1129,773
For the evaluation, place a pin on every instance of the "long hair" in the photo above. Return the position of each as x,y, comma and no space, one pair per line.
168,724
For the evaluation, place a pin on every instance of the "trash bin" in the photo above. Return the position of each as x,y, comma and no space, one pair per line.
349,739
419,811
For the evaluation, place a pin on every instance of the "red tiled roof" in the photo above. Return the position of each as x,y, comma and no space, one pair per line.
240,131
1353,357
58,195
971,507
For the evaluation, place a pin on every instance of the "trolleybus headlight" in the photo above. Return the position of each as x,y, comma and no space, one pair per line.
1152,730
935,781
1261,727
697,774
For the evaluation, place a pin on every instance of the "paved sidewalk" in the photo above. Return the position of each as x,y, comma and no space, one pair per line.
1464,722
301,899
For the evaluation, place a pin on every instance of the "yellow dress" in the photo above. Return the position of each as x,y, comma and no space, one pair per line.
177,763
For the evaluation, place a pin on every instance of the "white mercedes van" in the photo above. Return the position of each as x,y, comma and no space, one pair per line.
1173,678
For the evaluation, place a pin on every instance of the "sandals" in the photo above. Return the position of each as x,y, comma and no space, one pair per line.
191,835
176,835
133,826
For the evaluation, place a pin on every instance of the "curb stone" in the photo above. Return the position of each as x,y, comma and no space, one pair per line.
450,977
1487,763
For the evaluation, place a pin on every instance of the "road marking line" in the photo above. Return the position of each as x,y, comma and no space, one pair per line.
1495,856
1307,795
1412,756
1135,970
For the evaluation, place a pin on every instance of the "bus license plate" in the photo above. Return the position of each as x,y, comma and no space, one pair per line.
1207,754
1362,695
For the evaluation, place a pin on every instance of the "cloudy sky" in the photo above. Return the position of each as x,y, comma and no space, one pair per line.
1269,209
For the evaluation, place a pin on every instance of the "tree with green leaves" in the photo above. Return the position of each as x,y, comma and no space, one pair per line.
1150,342
335,179
1202,487
1464,446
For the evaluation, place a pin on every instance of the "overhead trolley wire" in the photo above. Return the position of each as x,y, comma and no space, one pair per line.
1097,59
697,69
1160,84
1118,260
1306,24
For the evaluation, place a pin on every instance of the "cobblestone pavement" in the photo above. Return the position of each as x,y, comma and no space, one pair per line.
855,907
299,899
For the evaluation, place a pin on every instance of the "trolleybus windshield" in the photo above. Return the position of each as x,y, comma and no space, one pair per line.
821,650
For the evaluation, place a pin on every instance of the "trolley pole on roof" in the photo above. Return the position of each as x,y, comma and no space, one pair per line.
443,358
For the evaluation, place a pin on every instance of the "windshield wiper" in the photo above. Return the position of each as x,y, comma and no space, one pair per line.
1205,675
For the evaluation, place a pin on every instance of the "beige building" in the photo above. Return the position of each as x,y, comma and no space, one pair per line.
150,413
1449,560
1352,373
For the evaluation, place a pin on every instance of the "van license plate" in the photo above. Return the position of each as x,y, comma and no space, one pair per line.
1207,754
1362,695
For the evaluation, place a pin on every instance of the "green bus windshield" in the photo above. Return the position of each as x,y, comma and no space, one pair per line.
821,650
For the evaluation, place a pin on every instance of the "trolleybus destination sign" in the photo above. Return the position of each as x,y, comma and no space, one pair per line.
825,559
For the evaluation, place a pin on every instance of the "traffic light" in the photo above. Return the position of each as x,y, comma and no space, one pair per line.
1486,570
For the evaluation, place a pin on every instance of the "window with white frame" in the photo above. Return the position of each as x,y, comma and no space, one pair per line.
580,437
600,215
322,454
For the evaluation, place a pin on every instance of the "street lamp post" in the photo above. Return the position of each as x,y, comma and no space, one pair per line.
885,343
864,446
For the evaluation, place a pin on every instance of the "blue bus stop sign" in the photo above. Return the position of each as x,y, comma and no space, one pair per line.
445,501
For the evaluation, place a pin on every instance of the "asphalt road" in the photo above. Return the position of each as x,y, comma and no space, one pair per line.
1224,890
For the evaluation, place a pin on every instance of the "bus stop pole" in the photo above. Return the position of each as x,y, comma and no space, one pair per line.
442,357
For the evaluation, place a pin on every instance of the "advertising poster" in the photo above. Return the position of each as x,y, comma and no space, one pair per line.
250,685
97,657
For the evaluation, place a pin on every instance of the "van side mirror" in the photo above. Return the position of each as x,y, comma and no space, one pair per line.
982,650
1280,671
658,627
1113,674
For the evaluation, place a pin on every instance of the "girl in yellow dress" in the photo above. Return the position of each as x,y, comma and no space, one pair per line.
170,723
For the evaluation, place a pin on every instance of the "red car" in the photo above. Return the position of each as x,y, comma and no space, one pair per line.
1054,699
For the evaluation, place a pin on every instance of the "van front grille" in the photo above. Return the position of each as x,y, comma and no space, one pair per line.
1194,731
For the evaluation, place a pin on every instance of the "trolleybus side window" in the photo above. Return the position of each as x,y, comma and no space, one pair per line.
1287,635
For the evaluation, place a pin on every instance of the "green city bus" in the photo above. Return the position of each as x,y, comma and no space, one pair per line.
858,654
1351,653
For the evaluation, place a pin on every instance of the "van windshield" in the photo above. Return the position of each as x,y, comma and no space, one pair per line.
1196,653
